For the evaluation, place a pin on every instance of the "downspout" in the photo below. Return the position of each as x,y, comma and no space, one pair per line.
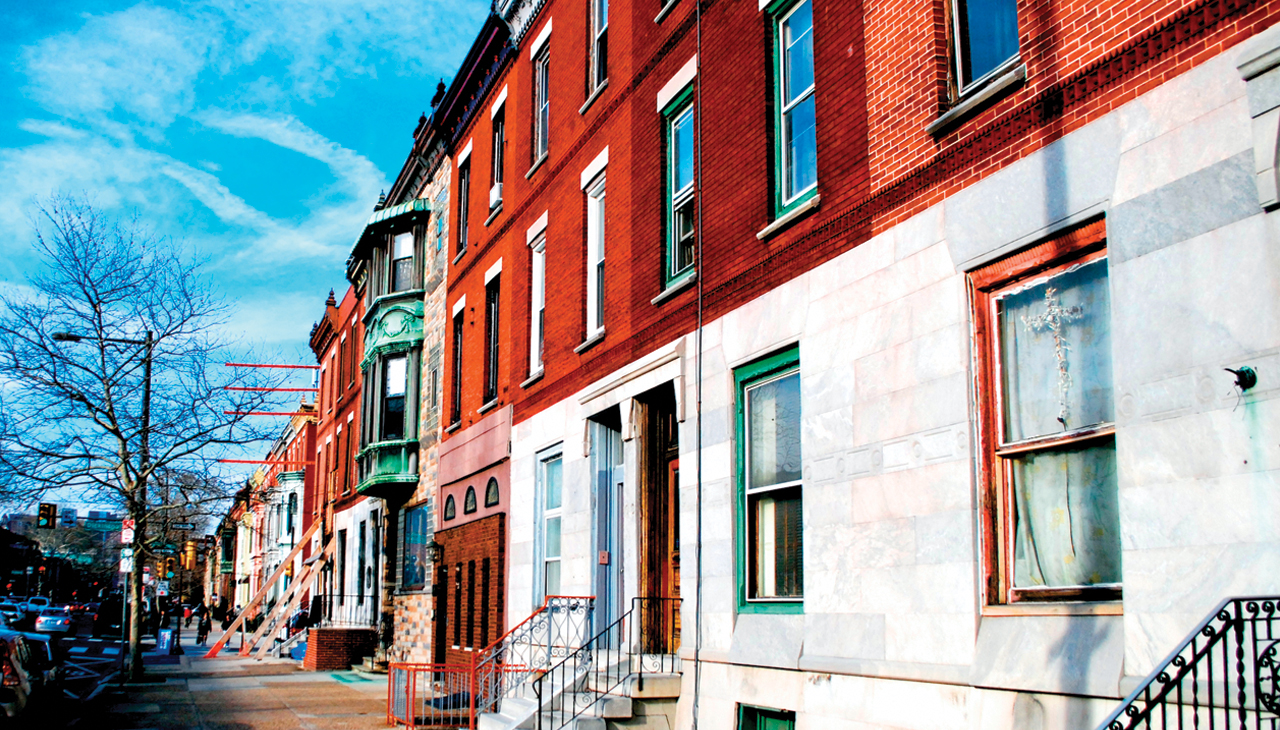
697,382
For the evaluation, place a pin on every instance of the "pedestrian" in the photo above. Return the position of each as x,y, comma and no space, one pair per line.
203,628
228,619
187,613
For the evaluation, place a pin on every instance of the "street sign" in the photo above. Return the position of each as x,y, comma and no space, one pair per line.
128,524
126,565
162,588
184,525
68,517
102,525
126,552
126,535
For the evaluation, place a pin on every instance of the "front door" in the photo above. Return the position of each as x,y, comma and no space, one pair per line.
660,522
607,472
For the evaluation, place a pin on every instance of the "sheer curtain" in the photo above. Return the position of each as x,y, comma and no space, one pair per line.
1056,369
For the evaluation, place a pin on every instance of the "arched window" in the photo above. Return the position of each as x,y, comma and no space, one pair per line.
491,492
469,502
450,509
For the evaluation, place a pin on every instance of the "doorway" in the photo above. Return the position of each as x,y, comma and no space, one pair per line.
606,500
659,507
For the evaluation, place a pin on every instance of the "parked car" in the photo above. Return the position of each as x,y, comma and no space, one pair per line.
48,664
55,621
11,613
107,620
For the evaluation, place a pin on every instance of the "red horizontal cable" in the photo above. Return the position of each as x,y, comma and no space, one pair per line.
260,365
266,461
267,413
282,390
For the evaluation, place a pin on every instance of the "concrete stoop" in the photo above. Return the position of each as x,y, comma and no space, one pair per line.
645,703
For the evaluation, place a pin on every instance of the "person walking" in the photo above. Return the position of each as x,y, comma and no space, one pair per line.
203,627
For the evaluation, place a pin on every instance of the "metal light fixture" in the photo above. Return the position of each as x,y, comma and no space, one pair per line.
435,551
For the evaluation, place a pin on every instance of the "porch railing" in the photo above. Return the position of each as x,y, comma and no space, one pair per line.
644,640
1222,675
348,611
454,695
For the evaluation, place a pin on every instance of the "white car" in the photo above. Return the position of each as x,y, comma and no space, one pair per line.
54,621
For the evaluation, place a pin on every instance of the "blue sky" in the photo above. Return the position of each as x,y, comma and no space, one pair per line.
258,133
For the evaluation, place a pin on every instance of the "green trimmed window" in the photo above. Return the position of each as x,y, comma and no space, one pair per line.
770,526
759,718
796,135
681,203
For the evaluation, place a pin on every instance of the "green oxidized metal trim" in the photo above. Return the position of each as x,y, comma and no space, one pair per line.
394,327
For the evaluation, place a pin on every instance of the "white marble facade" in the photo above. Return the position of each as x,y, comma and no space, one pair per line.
893,634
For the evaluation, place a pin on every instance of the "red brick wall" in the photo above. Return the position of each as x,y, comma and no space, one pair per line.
882,75
333,649
463,547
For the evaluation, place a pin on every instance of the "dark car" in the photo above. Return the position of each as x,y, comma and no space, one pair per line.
17,667
47,665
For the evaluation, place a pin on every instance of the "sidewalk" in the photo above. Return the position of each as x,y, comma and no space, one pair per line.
237,693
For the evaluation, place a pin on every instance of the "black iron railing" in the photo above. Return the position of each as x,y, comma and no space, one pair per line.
644,640
1223,675
348,611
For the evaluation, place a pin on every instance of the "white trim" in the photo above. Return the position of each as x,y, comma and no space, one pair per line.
339,428
459,305
540,41
590,172
497,103
328,440
464,154
493,271
764,4
536,229
678,82
351,417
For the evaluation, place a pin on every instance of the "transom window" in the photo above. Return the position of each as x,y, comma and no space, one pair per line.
1053,528
797,121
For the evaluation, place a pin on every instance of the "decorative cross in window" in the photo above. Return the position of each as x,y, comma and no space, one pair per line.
1053,318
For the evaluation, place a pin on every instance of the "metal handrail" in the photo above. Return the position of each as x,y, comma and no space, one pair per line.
1234,647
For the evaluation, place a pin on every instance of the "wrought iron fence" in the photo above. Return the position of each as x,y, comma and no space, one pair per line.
347,611
453,696
644,640
1223,675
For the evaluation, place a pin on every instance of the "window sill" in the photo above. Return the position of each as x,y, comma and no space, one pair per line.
775,607
534,377
536,164
493,215
590,342
594,95
453,427
977,99
487,406
675,288
458,258
1101,608
789,217
666,10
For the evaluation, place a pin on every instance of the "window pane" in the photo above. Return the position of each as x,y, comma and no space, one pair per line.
801,147
396,376
682,152
553,578
553,537
402,274
1068,517
797,43
773,441
1055,354
403,246
553,476
778,544
684,230
393,418
415,544
989,35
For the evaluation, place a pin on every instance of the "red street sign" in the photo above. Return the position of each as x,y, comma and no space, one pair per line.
127,524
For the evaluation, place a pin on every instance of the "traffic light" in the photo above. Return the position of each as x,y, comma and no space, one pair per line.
189,555
47,517
170,564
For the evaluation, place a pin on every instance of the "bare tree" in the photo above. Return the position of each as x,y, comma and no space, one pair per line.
112,378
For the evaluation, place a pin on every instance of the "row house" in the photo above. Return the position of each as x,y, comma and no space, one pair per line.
957,319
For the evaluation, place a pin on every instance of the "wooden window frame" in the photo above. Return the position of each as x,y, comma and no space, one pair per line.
1083,244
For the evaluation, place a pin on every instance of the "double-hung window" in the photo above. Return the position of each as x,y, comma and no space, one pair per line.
772,530
394,380
547,529
541,103
681,210
797,133
537,304
986,34
1052,522
402,262
455,395
595,257
758,718
491,298
599,43
499,154
464,204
